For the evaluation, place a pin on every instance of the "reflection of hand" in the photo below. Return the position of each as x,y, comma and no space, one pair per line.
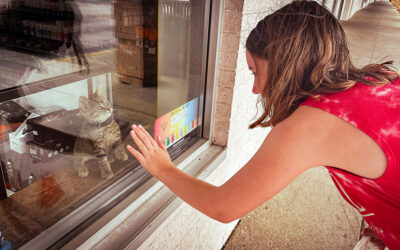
374,238
153,156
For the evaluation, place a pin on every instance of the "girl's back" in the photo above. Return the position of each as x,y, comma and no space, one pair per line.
376,112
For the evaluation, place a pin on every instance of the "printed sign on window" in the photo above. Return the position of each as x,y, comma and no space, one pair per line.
178,123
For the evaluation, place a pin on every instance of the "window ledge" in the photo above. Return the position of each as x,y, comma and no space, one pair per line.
136,217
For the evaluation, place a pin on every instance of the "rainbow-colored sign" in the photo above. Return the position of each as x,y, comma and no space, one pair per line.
178,123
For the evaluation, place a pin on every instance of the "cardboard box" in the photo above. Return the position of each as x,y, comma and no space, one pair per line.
131,80
127,36
130,59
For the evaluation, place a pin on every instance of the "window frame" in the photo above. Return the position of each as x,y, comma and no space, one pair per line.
130,193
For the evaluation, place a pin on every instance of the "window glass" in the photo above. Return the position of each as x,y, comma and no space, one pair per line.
74,76
332,6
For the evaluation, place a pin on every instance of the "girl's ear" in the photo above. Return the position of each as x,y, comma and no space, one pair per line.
84,103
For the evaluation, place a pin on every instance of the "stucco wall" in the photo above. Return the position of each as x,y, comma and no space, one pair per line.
235,108
350,7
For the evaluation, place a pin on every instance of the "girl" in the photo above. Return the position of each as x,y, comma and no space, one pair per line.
324,112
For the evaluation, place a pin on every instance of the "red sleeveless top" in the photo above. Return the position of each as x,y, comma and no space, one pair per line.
376,112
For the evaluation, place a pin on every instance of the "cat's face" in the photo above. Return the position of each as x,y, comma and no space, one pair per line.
97,109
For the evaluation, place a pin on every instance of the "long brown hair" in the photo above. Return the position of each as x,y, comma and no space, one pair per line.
306,50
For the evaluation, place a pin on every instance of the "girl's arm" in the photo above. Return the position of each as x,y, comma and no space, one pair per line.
155,159
302,141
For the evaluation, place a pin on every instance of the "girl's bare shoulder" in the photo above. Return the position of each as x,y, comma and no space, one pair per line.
335,142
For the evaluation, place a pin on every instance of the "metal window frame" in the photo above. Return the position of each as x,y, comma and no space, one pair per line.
334,7
143,188
340,10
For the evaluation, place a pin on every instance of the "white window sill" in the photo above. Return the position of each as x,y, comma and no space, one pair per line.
137,216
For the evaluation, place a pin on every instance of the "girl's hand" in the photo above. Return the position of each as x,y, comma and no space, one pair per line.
153,156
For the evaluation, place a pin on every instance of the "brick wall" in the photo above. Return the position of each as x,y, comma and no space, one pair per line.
235,108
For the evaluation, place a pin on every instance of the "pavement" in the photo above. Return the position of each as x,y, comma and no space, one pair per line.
310,213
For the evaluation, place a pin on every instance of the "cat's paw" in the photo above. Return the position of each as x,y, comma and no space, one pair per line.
124,156
106,172
83,172
120,154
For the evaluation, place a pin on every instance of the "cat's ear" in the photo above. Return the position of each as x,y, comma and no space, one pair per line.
99,91
83,103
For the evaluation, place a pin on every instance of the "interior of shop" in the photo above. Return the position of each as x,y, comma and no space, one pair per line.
73,70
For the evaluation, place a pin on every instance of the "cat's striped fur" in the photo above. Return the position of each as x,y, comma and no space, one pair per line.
100,136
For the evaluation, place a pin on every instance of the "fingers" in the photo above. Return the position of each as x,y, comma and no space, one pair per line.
147,135
141,133
161,143
139,142
146,140
136,154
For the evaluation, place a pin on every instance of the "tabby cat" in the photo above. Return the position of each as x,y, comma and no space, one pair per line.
102,136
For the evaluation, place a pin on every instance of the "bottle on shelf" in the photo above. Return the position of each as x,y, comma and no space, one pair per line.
14,176
31,179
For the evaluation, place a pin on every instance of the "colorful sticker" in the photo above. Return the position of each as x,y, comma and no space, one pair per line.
178,123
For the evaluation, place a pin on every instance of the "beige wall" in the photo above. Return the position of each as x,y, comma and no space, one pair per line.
235,108
350,7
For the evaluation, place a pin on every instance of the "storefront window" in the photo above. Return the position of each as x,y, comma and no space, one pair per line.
74,76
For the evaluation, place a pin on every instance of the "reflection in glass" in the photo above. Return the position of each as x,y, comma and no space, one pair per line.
74,76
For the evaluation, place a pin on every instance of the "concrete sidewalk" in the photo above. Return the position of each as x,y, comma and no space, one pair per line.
310,213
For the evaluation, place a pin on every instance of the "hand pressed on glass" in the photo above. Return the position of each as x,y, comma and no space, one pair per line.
153,155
